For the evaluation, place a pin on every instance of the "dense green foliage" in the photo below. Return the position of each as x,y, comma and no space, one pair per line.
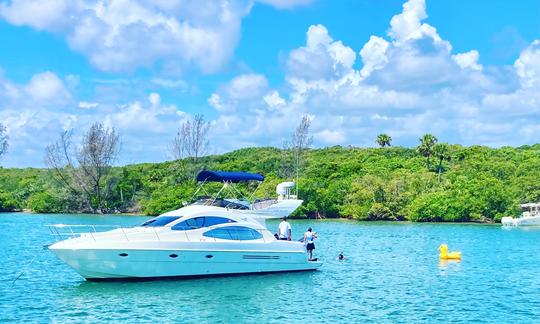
392,183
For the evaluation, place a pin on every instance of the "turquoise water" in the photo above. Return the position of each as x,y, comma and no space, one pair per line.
392,275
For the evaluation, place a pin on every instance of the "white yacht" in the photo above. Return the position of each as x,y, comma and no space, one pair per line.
529,217
213,236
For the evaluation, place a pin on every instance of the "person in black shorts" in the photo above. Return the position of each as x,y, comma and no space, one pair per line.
309,238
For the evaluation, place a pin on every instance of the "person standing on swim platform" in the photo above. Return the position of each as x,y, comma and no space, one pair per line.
309,236
284,230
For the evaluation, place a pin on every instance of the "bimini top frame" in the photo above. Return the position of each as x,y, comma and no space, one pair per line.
227,178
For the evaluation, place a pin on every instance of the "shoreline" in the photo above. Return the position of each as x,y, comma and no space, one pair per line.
30,212
339,219
375,184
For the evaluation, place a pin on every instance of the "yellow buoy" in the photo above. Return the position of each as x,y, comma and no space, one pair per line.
445,255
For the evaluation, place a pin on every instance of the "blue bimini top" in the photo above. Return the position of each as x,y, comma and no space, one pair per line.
225,176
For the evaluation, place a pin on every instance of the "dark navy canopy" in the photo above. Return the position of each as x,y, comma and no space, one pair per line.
221,176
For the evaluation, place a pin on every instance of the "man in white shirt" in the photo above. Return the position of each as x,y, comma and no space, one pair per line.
284,230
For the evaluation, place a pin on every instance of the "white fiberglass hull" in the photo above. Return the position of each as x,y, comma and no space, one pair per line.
521,221
182,261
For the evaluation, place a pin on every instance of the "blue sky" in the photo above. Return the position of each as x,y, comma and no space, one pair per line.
466,71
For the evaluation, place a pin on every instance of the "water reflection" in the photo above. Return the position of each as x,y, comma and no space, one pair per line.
392,275
450,264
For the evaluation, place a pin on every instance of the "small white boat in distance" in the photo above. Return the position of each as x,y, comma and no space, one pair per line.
529,217
211,237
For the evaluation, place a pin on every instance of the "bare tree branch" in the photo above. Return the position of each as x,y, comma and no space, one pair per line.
287,166
191,140
98,151
178,146
57,158
100,148
300,141
4,145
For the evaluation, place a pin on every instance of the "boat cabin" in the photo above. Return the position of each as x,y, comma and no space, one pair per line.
530,209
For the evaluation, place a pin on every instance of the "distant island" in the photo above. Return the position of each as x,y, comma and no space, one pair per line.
458,184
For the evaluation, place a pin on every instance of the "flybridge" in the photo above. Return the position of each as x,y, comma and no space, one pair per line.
224,176
231,198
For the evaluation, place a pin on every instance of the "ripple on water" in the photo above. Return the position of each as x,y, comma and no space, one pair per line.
392,274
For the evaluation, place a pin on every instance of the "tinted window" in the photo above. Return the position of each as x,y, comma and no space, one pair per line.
219,233
234,233
212,220
198,222
160,221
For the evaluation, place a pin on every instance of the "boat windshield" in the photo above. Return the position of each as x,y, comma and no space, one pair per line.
199,222
159,221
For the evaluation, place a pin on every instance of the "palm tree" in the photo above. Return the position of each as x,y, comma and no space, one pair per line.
383,140
427,142
440,151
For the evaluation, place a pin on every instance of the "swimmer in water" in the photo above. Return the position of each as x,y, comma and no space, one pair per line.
341,257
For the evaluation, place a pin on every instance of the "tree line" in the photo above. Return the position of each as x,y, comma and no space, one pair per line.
431,182
83,177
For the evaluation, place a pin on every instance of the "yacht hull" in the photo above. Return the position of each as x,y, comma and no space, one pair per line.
195,240
521,221
125,263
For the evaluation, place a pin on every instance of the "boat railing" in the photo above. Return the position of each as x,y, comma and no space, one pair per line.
65,231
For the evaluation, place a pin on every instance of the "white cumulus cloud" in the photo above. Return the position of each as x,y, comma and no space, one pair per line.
408,84
528,65
405,83
47,88
273,99
373,55
409,22
468,60
286,4
246,88
88,105
321,57
124,35
37,111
